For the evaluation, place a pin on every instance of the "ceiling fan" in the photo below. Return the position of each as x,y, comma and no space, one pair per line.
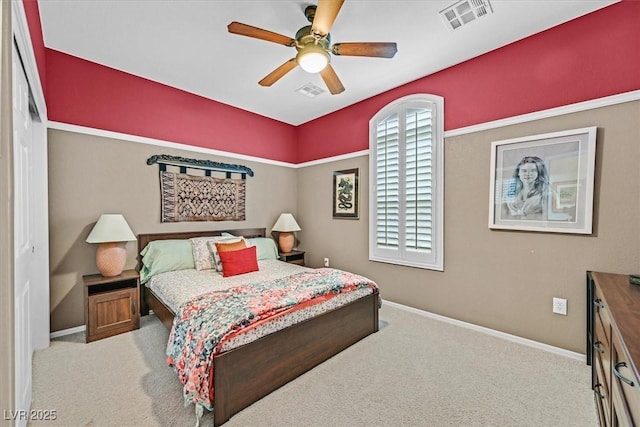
313,44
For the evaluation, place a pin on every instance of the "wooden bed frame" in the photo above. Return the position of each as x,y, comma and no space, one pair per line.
246,374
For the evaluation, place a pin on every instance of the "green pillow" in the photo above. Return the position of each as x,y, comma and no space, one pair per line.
265,247
160,256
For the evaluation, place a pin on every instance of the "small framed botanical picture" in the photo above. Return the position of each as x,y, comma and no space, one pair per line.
345,194
544,182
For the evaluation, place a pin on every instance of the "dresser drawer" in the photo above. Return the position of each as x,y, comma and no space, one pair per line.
602,348
625,387
613,340
601,311
601,390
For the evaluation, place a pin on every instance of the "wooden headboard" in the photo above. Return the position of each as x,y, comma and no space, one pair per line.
163,313
144,239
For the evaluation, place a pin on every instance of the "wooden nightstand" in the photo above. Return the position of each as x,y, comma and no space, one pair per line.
111,304
293,257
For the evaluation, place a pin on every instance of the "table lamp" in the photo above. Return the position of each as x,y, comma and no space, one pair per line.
112,233
286,225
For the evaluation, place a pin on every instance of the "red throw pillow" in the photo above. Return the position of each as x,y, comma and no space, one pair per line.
239,262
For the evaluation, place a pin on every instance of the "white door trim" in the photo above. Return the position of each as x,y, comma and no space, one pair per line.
23,238
31,300
40,296
22,37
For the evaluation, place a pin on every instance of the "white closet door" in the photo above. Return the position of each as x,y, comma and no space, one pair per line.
23,236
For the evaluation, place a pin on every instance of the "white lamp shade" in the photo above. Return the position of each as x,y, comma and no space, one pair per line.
286,222
111,228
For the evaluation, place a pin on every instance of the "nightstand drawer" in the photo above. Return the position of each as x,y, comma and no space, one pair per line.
112,313
293,257
112,304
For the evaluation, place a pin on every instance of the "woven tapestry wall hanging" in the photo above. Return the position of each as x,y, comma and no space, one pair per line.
191,197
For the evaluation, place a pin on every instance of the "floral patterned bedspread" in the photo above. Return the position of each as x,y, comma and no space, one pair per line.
175,288
203,324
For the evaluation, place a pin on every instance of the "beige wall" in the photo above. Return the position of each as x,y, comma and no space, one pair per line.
504,280
90,175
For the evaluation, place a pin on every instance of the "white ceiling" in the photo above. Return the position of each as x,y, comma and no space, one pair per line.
185,44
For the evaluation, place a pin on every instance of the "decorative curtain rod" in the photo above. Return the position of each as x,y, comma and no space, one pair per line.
183,163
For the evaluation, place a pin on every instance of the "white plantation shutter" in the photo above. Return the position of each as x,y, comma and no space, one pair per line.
388,183
406,172
418,180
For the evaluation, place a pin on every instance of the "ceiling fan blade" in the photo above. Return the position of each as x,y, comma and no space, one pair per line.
325,14
331,79
276,74
378,50
259,33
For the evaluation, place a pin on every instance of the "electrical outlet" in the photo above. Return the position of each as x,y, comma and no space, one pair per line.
560,306
326,262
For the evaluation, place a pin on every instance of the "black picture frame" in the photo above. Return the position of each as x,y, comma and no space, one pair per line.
345,194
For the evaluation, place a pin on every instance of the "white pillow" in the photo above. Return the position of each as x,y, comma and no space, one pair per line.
203,258
217,262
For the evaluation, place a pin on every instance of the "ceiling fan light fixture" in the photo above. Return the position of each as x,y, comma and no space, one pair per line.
313,43
312,58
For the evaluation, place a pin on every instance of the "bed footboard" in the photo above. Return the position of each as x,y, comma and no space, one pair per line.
246,374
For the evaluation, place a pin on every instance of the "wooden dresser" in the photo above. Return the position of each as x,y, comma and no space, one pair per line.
613,347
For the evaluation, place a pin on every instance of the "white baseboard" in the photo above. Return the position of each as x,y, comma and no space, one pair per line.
513,338
82,328
63,332
482,329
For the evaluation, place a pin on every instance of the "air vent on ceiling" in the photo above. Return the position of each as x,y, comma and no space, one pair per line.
464,12
310,90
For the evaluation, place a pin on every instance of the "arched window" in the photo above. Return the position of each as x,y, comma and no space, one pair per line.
406,176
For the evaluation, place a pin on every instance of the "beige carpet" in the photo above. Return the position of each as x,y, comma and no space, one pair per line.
414,372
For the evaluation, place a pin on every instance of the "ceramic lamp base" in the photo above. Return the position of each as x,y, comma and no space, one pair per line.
286,241
110,258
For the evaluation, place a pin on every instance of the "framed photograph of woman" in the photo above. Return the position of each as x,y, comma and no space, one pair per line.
544,182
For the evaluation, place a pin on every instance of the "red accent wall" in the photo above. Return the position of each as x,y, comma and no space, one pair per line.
37,40
590,57
84,93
